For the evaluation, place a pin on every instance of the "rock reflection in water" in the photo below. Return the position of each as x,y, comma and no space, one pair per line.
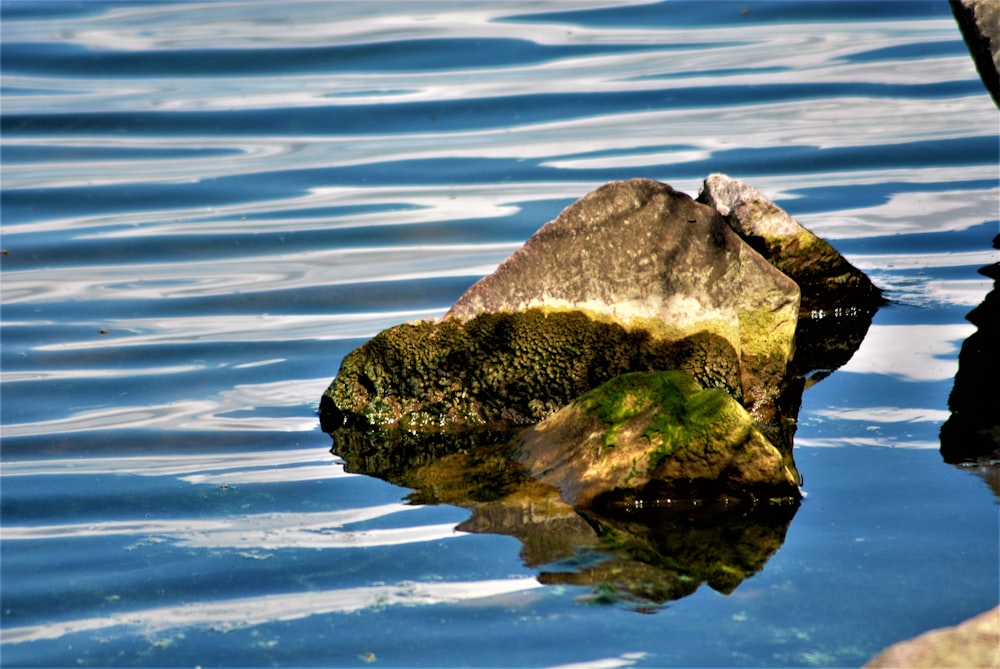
638,557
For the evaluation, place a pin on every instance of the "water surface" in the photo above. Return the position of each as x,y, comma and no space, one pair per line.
207,205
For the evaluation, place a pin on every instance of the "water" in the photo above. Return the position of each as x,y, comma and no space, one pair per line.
207,205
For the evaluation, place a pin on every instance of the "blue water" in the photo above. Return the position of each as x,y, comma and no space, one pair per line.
205,206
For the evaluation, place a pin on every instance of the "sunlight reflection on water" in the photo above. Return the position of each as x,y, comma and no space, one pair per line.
206,205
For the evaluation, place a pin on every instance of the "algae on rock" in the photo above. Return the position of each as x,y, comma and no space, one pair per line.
657,436
503,369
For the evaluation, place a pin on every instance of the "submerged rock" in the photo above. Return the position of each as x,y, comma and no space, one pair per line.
649,437
971,644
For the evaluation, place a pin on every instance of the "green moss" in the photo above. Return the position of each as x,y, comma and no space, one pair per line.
504,369
672,409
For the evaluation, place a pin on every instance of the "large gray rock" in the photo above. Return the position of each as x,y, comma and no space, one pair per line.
979,21
642,255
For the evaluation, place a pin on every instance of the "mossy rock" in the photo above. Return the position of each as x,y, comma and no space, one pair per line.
504,370
650,437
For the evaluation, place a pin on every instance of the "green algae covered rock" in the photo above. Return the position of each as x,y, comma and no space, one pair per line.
504,369
651,437
634,277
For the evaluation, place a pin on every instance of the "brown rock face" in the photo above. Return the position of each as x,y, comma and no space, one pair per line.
974,643
979,21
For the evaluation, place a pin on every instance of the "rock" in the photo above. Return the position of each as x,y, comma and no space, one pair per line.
971,435
979,21
648,437
631,277
973,643
830,285
634,277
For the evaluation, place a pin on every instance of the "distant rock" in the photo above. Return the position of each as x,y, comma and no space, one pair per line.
979,21
655,436
973,644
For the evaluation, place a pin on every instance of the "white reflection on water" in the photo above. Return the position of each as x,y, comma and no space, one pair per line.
265,272
248,611
125,333
922,292
91,373
898,261
885,415
623,660
878,442
916,289
184,464
914,212
268,531
910,352
229,410
556,143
